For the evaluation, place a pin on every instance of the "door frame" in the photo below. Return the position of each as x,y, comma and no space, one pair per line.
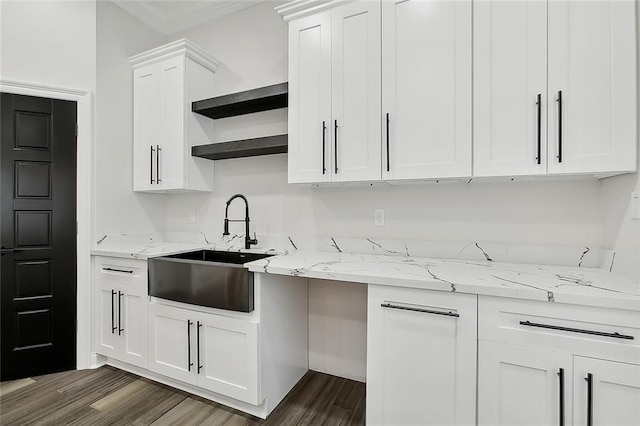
84,204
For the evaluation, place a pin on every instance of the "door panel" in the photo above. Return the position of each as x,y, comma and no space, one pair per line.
146,132
615,396
310,99
172,342
38,221
106,321
135,344
228,350
356,89
426,74
521,386
169,164
592,60
510,71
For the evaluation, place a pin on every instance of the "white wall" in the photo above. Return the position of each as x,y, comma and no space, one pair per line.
117,208
50,43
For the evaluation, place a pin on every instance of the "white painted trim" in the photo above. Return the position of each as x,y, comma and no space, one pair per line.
176,48
299,8
84,202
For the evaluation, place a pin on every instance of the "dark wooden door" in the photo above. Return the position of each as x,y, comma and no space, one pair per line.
38,238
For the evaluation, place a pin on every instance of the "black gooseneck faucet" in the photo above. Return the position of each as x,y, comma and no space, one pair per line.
247,240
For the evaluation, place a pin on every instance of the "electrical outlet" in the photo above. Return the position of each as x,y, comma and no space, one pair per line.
192,216
635,205
378,217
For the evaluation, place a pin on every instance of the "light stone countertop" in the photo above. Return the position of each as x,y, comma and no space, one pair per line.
562,284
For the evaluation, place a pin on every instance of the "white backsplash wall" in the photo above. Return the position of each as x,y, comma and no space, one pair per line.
117,208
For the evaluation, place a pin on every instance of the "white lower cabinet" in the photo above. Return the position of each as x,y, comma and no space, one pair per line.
542,363
421,357
214,352
121,310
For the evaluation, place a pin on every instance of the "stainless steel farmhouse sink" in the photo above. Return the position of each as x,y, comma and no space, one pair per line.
210,278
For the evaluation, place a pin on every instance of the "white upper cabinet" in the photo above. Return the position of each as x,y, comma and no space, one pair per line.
310,99
510,82
571,64
592,86
426,89
166,80
334,95
355,91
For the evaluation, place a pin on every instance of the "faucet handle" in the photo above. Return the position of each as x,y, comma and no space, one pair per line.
253,240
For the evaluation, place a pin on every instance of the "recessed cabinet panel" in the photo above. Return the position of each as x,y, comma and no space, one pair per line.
145,127
426,75
613,389
510,71
169,162
521,386
592,86
356,92
310,99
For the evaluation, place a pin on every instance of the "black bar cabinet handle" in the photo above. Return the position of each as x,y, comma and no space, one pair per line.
589,380
198,347
424,311
561,382
539,104
151,164
120,329
615,335
113,321
189,363
335,145
324,131
559,100
117,270
158,149
387,141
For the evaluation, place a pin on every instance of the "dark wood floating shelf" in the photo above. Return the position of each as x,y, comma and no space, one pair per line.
242,148
256,100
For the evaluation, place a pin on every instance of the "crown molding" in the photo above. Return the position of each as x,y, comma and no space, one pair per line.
300,8
176,48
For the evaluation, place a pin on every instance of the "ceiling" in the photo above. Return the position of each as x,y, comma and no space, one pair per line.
170,16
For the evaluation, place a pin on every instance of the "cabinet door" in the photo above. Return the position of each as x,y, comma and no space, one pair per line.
146,127
356,91
228,356
170,155
592,62
510,79
133,318
615,392
421,361
426,75
171,342
521,386
106,332
310,99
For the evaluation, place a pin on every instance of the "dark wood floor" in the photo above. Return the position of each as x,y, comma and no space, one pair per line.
108,396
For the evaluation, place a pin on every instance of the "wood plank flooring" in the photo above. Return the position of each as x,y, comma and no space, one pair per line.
108,396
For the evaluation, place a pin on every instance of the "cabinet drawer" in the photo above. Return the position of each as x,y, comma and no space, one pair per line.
111,270
612,334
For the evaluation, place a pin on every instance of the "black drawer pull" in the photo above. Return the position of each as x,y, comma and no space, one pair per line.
589,380
615,335
424,311
113,322
120,329
189,363
117,270
561,382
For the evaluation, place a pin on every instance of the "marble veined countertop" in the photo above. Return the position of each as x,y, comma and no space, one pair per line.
563,284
